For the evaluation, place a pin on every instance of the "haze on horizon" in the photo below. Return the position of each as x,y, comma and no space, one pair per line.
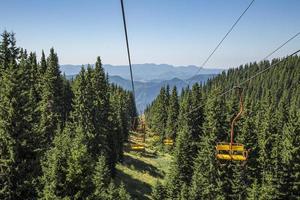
171,31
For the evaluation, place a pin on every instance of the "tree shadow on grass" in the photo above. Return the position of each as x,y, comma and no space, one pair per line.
142,166
147,154
136,188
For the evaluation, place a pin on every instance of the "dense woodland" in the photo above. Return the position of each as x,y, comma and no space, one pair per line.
59,139
200,117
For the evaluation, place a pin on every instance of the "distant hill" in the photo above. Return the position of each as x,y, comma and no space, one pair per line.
147,72
147,91
149,78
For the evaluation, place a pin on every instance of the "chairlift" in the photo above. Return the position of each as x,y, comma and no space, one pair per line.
168,141
230,150
137,147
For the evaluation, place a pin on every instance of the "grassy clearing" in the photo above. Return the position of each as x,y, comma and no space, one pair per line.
140,170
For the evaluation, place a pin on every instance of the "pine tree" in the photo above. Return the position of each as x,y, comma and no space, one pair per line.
79,166
16,136
119,121
160,113
100,109
54,166
101,178
173,112
253,191
133,113
183,164
206,182
184,193
158,192
67,96
290,154
5,55
51,103
34,94
43,65
14,51
42,68
112,192
83,102
67,167
123,195
196,113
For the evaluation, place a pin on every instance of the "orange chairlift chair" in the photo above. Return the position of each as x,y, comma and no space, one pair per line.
233,151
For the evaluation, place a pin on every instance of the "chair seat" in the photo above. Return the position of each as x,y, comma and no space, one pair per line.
137,147
238,157
226,147
224,156
231,157
168,142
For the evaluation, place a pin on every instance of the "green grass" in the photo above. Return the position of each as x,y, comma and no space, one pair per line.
140,171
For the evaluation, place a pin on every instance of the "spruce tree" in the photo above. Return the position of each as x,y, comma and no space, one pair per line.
112,192
43,65
54,166
100,109
67,96
68,166
101,178
206,181
173,112
18,155
14,50
123,195
184,193
253,191
182,166
51,102
158,192
5,55
160,113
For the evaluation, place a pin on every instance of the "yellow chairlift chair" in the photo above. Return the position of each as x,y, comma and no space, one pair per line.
232,151
168,141
137,147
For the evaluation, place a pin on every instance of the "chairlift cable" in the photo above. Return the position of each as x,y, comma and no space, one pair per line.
260,72
127,45
224,37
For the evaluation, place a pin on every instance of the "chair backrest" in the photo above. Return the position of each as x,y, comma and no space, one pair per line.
168,140
223,147
237,147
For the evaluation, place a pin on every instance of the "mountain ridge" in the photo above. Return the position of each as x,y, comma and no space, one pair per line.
147,71
147,91
150,77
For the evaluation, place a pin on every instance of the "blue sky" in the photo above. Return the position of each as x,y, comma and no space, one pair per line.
178,32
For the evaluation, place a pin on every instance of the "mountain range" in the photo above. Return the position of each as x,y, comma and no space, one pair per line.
149,78
146,92
147,72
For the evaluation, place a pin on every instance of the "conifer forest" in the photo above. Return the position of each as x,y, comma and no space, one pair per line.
269,128
62,139
76,123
